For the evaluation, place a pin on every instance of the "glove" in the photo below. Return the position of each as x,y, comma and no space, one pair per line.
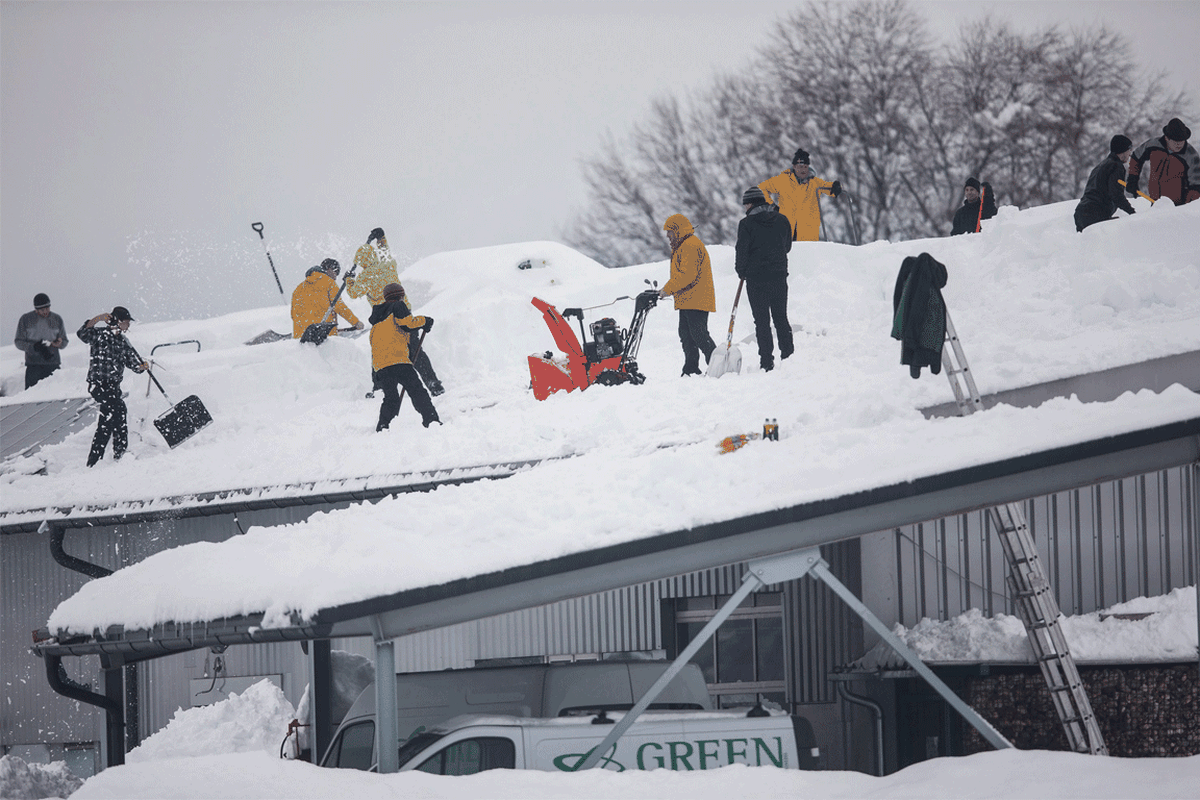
836,189
428,326
44,350
1131,184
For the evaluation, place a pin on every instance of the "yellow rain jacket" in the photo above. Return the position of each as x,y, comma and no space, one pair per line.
390,338
310,304
691,280
798,202
376,269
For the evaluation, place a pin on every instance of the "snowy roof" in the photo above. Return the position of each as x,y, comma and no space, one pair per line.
1032,301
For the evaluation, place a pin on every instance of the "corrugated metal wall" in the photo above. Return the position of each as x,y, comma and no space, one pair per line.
1099,545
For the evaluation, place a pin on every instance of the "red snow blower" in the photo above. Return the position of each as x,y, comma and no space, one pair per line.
609,358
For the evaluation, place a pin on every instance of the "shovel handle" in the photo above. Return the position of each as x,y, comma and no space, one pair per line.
258,228
733,315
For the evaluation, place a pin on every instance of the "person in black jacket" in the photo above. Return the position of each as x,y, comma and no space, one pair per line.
967,217
111,353
761,260
1103,195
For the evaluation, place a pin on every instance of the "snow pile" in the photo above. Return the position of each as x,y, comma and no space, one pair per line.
1167,633
1000,774
20,780
252,721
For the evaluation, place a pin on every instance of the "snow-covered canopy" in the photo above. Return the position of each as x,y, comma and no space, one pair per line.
1032,301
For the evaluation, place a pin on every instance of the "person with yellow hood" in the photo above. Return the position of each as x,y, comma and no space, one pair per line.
313,298
796,193
691,284
376,269
392,356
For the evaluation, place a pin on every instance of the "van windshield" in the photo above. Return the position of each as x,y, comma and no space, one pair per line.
416,744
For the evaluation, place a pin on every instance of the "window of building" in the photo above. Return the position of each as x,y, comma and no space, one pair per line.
743,662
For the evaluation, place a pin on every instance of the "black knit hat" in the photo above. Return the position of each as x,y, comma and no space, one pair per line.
973,182
1120,144
41,300
753,197
121,313
393,291
1175,129
801,157
331,265
376,233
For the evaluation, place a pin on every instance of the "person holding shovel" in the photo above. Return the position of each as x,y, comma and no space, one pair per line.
313,301
691,283
1103,195
110,354
392,356
761,260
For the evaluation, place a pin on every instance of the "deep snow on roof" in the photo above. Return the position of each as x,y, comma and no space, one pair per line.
1031,299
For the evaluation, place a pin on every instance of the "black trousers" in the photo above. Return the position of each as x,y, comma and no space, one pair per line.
768,302
693,335
390,379
1089,216
112,423
424,369
35,372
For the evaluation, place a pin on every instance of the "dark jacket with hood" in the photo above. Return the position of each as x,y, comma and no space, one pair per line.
967,215
919,313
1102,195
763,241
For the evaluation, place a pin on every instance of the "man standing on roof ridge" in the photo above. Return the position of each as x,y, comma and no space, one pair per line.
376,268
691,283
1103,196
110,354
968,215
1172,165
795,192
40,335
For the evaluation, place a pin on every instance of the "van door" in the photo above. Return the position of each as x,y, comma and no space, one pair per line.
470,751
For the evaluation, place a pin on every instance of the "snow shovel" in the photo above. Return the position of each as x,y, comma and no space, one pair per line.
178,423
413,360
729,359
318,332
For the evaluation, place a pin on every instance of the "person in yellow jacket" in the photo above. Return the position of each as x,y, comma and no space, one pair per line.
376,269
691,283
795,192
391,357
312,299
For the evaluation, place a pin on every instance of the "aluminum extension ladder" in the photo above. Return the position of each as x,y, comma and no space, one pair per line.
1028,585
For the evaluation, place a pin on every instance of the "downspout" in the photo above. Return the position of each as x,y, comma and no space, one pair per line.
69,561
62,683
56,673
876,713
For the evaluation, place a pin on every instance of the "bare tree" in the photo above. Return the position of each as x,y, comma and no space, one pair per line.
899,122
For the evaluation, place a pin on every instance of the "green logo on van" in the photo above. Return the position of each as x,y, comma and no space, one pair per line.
569,762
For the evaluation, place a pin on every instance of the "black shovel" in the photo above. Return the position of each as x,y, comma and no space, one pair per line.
318,332
178,423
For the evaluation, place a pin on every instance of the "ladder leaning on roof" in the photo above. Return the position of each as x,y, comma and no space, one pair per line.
1028,585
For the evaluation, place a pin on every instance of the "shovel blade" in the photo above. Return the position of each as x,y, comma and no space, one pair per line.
723,361
318,332
180,422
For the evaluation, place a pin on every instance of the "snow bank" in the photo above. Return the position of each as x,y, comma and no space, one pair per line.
253,721
23,781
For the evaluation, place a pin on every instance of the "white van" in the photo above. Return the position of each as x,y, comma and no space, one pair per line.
686,740
424,699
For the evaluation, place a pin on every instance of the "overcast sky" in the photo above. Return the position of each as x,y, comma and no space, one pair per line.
138,141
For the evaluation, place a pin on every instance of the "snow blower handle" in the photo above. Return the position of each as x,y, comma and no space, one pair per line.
567,313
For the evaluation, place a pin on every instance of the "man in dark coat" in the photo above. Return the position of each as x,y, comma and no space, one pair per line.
111,353
919,313
40,335
761,259
1103,194
966,219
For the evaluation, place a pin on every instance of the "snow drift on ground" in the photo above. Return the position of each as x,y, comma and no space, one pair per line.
1032,301
187,762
